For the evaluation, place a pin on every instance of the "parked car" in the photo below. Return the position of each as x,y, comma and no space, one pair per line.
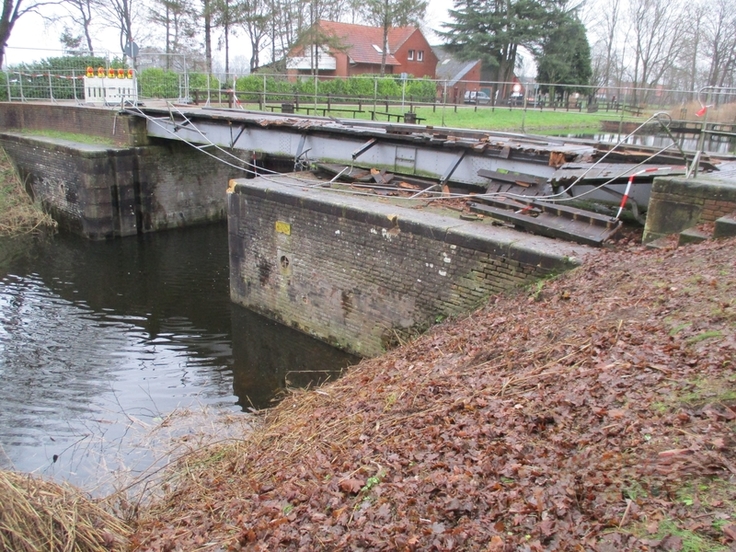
516,98
479,97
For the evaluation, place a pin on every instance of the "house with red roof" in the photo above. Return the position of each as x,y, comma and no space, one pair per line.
346,50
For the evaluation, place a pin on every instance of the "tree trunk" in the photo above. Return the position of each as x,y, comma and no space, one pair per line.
7,20
207,36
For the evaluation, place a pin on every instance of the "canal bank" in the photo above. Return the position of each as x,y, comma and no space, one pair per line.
591,412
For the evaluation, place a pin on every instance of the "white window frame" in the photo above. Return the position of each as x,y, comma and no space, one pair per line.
420,55
410,57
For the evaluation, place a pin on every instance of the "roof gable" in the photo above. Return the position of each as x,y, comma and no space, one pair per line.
450,68
364,44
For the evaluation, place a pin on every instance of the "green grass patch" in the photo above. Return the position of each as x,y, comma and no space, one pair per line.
709,390
698,392
70,136
507,119
692,541
711,500
677,329
703,336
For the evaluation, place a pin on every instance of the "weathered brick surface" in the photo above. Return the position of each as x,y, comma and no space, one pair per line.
353,271
677,203
102,192
179,186
123,130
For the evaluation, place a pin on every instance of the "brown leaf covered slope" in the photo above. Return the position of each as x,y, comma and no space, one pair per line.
525,425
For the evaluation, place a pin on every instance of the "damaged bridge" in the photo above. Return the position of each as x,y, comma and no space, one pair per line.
149,180
520,168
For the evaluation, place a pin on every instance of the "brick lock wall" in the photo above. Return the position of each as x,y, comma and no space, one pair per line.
355,273
76,186
103,192
676,204
180,186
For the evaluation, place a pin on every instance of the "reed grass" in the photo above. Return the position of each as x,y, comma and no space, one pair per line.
39,515
19,214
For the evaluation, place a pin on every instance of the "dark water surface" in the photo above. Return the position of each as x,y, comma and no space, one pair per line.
688,142
99,342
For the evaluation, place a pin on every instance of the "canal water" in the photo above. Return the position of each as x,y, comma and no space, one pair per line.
688,142
100,342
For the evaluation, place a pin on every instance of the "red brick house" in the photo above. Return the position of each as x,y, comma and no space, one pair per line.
460,77
357,50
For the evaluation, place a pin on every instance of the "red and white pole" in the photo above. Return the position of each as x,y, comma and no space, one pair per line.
628,186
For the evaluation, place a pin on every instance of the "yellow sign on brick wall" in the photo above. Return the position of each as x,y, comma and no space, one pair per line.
283,228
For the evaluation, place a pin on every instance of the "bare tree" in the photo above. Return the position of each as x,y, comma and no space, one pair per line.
80,13
226,15
657,27
603,22
123,15
720,41
611,21
207,9
175,17
257,18
693,40
12,11
392,13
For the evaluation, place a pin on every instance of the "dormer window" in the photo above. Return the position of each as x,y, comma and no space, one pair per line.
410,57
420,55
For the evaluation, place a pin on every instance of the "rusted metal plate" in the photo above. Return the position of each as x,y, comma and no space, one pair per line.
549,219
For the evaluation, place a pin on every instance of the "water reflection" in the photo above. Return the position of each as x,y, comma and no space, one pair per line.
100,341
281,358
688,142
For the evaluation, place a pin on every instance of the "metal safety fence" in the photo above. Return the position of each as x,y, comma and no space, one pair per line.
58,76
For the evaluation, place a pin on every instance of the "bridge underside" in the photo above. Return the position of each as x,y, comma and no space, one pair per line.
465,157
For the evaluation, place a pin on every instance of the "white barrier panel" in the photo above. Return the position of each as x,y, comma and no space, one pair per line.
106,91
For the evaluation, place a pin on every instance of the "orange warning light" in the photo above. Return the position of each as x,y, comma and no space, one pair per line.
130,73
111,73
90,72
101,72
121,73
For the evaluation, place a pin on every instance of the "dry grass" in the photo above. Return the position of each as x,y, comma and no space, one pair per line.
18,213
38,515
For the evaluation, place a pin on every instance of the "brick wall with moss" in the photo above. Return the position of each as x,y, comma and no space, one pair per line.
104,123
677,204
361,274
102,192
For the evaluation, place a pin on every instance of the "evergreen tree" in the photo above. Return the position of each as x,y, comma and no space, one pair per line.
565,56
493,31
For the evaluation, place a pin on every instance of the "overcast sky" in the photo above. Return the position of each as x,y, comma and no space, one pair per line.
31,39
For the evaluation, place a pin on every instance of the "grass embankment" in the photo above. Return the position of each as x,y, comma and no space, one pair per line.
593,411
18,213
512,120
